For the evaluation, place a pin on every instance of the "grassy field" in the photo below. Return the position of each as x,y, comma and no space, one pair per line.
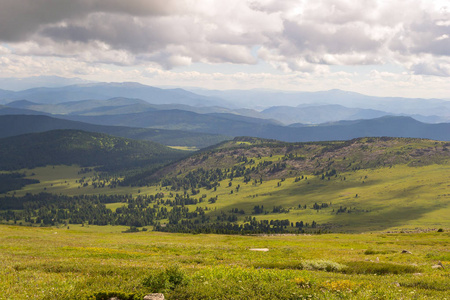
376,208
77,262
389,198
66,180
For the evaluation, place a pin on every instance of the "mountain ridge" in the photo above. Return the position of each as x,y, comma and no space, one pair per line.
67,146
11,125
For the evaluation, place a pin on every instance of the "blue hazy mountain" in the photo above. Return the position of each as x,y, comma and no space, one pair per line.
103,91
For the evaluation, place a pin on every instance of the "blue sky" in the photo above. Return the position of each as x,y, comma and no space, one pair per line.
376,47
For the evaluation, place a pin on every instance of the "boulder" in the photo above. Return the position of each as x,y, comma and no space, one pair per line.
154,296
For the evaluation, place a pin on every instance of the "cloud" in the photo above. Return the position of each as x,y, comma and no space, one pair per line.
293,36
19,19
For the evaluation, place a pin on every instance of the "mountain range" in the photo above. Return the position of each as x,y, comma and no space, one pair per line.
205,130
177,117
11,125
103,91
285,107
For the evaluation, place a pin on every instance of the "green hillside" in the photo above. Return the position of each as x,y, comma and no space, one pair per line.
69,147
252,185
270,159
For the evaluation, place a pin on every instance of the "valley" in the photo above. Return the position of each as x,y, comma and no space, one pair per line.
224,150
119,197
250,185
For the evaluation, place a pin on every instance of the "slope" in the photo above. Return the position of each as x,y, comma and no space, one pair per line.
252,185
358,185
82,148
11,125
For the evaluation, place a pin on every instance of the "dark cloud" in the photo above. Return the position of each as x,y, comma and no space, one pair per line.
19,19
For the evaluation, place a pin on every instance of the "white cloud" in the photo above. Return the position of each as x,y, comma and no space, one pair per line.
303,39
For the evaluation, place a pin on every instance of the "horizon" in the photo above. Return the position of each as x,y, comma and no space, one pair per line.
30,85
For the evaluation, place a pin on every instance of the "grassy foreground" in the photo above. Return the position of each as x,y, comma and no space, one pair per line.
77,262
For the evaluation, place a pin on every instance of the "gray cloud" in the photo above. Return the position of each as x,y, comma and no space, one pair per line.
431,69
19,19
341,40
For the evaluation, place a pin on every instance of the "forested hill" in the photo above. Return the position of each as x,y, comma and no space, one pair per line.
260,158
82,148
11,125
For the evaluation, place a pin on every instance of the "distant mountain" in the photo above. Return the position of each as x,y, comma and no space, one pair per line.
230,125
277,114
239,102
181,120
25,104
19,84
319,114
118,105
388,126
87,107
392,105
11,125
103,91
82,148
6,110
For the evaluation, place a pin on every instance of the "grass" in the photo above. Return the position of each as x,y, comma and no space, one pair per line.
186,148
75,263
390,198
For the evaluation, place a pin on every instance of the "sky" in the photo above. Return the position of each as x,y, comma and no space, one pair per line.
376,47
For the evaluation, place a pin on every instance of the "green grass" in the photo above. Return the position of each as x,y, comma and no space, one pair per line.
61,263
64,180
185,148
396,198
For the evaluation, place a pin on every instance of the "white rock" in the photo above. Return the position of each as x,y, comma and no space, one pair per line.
154,296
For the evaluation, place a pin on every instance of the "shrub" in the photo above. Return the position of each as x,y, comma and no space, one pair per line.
372,252
312,265
323,265
165,280
428,283
364,267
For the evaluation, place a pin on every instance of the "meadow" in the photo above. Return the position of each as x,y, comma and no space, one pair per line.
88,262
385,219
386,198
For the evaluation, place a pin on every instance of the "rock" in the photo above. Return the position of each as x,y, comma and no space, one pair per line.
154,296
259,249
437,267
406,252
